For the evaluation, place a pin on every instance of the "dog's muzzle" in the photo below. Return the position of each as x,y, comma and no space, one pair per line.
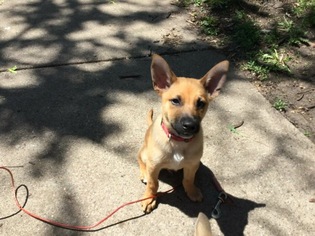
187,126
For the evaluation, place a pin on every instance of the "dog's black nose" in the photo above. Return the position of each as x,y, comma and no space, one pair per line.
190,124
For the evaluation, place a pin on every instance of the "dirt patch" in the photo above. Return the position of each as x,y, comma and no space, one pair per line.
296,90
288,83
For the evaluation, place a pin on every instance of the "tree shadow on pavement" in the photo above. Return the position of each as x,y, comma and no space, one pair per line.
64,100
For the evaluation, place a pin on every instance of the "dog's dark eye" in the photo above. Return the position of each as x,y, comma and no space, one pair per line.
200,104
176,101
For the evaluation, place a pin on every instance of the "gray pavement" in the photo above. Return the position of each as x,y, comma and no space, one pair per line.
72,120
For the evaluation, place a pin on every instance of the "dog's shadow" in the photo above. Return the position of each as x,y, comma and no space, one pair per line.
234,216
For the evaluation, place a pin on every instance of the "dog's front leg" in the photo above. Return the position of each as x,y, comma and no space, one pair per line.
151,189
192,191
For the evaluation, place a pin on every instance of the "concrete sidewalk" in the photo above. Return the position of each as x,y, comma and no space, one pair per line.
72,123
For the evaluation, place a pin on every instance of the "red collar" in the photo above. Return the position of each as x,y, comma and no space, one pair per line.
173,136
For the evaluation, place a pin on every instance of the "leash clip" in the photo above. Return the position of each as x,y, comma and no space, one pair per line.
216,213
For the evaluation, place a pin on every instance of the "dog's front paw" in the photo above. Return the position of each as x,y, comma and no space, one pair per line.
194,194
148,205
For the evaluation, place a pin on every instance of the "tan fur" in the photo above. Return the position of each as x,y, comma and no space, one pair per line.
203,227
158,151
150,117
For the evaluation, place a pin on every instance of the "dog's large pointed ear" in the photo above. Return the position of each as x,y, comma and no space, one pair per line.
162,75
215,78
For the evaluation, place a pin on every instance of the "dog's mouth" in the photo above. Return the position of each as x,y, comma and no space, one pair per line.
186,127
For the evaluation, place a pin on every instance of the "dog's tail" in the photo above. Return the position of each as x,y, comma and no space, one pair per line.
150,117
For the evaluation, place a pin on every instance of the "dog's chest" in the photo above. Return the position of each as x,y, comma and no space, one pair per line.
176,161
178,157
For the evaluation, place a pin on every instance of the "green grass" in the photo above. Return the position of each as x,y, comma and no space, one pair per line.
285,24
292,33
210,25
13,69
258,70
303,6
233,129
246,33
198,2
219,3
308,133
262,63
271,38
275,60
280,105
270,57
186,3
260,50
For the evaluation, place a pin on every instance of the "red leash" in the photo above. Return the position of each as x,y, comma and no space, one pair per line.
68,226
86,228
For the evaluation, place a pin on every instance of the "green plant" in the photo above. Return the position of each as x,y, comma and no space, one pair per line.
310,18
209,25
198,2
271,39
246,33
307,133
301,6
263,63
276,61
285,25
258,70
233,129
292,33
219,3
12,69
280,105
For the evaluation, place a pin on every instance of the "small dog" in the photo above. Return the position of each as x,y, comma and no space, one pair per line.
175,139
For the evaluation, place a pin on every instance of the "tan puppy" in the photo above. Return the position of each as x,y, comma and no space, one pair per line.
175,139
